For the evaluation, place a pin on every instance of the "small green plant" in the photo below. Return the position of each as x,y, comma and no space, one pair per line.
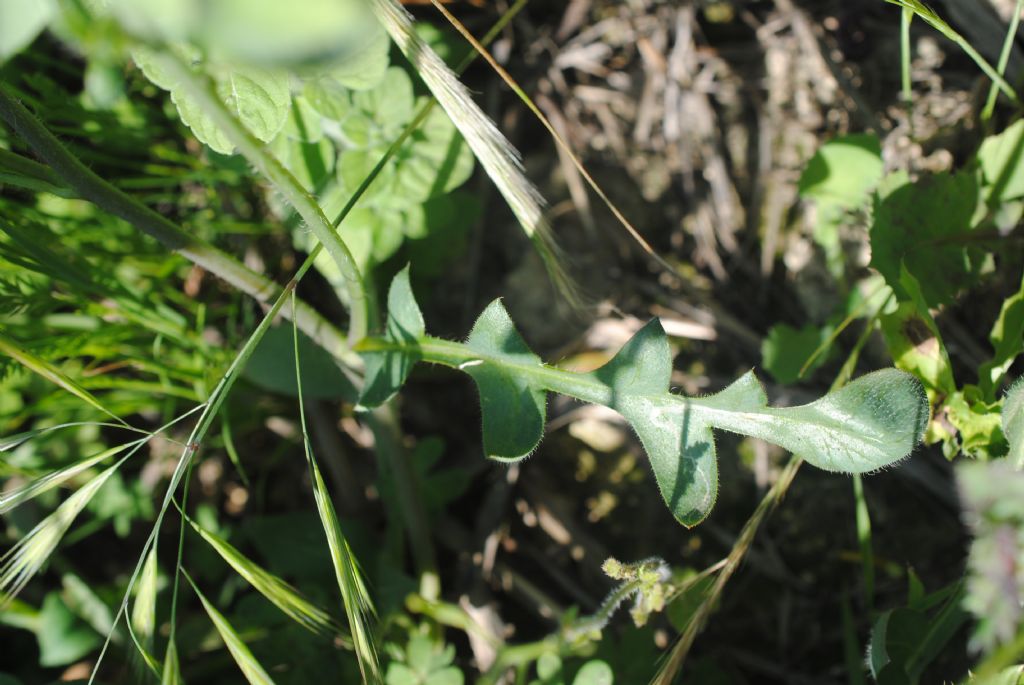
868,425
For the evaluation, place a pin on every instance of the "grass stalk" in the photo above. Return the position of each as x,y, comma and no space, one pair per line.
88,185
200,88
1004,59
867,556
497,156
929,16
906,18
358,605
559,140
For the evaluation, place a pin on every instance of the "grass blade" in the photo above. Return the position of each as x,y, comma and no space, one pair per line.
930,17
559,140
358,605
247,663
281,594
13,498
51,373
172,667
9,443
500,160
25,559
1004,59
142,626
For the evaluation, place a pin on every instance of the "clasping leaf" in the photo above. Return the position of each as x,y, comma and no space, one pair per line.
871,423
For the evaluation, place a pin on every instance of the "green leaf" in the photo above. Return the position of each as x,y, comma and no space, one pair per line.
1013,423
917,225
1007,338
270,367
785,350
366,65
20,22
291,33
867,425
385,373
513,407
63,637
1000,160
915,342
843,171
904,640
252,670
549,667
594,672
979,432
839,178
259,98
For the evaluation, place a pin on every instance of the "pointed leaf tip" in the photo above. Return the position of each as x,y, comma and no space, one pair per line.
513,408
387,369
643,366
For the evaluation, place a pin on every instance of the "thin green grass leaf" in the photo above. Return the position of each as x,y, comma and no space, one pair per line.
142,625
559,140
931,18
906,18
172,666
252,670
1004,59
51,373
498,157
12,441
281,594
359,607
25,559
13,498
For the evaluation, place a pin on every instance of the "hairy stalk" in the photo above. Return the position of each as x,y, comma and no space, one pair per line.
867,554
496,154
257,154
88,185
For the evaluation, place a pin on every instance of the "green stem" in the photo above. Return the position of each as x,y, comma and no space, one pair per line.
201,89
1004,59
867,557
905,19
67,168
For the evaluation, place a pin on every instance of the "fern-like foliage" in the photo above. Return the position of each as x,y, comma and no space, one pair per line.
871,423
